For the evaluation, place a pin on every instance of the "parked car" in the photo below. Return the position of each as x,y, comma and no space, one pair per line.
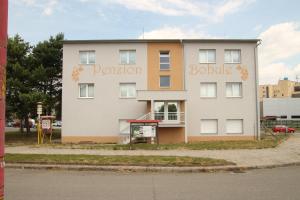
56,124
283,129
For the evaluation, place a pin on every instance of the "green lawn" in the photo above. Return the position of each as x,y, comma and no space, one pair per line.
16,138
115,160
207,145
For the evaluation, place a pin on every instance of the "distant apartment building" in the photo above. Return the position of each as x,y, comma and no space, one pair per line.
199,89
284,88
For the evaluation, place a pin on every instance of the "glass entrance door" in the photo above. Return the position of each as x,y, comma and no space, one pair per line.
166,111
172,112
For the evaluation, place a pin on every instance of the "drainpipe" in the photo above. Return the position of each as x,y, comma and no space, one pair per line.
185,101
256,92
3,55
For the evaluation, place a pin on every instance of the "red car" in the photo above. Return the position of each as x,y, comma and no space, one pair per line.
283,129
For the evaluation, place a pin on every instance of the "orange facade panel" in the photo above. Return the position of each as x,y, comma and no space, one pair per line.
175,70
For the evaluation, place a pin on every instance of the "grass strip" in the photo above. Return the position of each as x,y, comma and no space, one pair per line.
269,142
115,160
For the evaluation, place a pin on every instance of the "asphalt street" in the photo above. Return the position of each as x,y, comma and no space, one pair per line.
278,183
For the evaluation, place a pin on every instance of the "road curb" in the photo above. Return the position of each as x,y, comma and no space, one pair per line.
228,168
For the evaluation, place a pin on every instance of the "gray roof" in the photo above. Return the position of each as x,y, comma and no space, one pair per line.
161,41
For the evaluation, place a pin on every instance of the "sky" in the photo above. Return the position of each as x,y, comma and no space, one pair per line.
276,23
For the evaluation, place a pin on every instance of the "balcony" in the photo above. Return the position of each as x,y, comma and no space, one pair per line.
148,95
168,119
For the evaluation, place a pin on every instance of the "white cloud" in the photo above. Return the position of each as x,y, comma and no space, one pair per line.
46,6
49,7
271,73
210,11
169,32
230,6
280,42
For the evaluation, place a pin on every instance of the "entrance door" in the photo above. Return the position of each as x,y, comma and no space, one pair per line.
172,111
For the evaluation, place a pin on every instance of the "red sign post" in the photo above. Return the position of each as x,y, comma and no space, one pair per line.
3,55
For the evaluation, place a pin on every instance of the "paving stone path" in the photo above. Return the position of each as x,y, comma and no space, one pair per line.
286,153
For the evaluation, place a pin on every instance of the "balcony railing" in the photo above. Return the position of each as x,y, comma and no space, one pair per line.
165,117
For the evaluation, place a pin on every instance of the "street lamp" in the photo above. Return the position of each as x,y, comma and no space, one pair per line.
39,128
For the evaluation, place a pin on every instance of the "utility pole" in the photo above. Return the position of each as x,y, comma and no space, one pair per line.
3,57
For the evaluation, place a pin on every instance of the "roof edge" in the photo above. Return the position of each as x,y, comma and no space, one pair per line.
160,41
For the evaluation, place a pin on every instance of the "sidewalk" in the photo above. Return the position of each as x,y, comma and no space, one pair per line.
285,154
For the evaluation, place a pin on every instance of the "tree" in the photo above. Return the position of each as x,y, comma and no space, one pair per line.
34,74
47,56
20,93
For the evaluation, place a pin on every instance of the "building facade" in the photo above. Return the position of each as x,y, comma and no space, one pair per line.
284,88
199,89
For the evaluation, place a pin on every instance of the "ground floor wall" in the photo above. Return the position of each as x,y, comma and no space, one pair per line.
194,139
171,135
91,139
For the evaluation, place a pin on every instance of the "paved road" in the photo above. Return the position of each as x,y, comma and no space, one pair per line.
288,152
279,183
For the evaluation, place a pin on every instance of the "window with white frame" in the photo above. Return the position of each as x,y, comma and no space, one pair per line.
127,57
208,90
127,90
234,126
86,90
209,126
164,81
87,57
232,56
207,56
124,126
233,89
164,60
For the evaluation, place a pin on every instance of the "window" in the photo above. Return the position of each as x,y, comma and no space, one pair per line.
234,126
124,126
127,57
209,126
164,81
86,90
232,56
207,56
127,90
164,60
87,57
233,89
208,90
295,116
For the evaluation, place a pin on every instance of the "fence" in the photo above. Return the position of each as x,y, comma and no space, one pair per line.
289,123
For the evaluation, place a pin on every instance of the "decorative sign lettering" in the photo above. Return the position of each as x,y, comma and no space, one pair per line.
104,71
76,73
209,70
196,70
120,70
243,72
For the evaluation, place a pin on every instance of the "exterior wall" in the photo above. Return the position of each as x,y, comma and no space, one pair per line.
176,65
99,117
171,135
221,107
281,107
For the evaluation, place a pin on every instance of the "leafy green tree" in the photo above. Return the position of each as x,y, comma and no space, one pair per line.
20,92
34,74
47,57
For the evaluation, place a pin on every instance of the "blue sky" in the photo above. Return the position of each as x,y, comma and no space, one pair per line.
276,22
